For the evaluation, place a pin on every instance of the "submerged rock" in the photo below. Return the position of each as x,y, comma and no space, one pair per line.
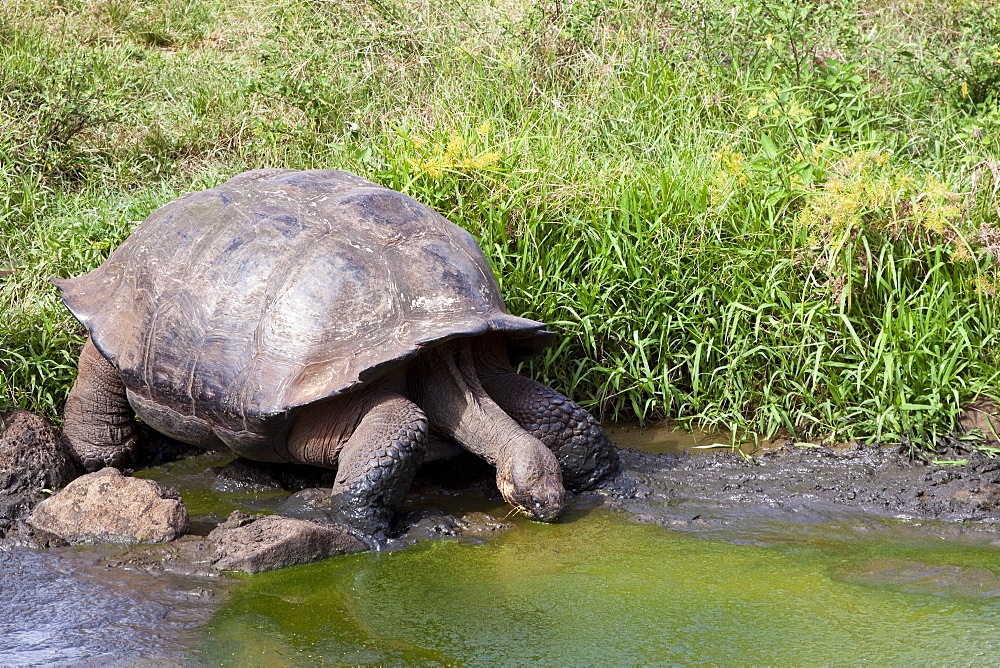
311,504
107,507
481,524
922,578
33,460
254,545
428,524
242,475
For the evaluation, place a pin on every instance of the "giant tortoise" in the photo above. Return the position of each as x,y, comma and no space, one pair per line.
319,318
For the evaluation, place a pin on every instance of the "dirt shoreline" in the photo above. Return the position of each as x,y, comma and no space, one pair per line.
805,484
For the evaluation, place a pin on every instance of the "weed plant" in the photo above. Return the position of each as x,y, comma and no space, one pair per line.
764,216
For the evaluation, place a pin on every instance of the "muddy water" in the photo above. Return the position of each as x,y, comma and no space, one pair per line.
596,588
665,438
599,590
64,607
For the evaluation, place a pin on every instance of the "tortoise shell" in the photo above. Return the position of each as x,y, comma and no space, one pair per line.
278,288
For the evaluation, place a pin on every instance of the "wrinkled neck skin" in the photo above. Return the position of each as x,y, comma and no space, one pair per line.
444,382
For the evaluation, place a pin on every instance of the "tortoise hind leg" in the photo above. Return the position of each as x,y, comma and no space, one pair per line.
375,466
100,424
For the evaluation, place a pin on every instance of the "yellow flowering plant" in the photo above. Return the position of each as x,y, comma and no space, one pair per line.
865,202
457,154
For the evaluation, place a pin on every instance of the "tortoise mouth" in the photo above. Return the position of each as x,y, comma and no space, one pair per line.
539,506
542,514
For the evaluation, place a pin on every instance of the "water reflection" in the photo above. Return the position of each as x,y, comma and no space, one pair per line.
670,438
64,607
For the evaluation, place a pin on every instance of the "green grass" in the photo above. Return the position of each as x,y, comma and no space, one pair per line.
761,216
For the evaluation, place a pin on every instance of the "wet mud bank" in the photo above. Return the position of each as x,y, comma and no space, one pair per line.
806,484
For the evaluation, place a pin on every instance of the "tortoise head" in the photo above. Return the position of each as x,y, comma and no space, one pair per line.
530,479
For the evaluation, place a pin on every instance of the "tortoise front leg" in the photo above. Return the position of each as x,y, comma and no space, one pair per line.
585,453
375,466
100,424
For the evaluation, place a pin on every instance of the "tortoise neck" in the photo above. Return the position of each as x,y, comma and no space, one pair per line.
489,355
445,384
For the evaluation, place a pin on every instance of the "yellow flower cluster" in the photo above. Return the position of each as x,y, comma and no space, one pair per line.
454,156
961,252
936,209
780,106
985,285
727,177
864,192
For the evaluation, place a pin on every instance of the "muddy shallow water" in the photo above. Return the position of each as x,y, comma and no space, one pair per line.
804,556
597,590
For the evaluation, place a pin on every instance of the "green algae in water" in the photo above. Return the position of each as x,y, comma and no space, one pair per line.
194,476
599,590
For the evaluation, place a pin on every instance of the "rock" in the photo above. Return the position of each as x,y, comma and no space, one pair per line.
32,455
241,475
274,541
982,414
33,460
107,507
237,519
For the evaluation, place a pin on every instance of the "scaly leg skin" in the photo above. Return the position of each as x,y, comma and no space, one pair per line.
100,424
375,466
585,453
